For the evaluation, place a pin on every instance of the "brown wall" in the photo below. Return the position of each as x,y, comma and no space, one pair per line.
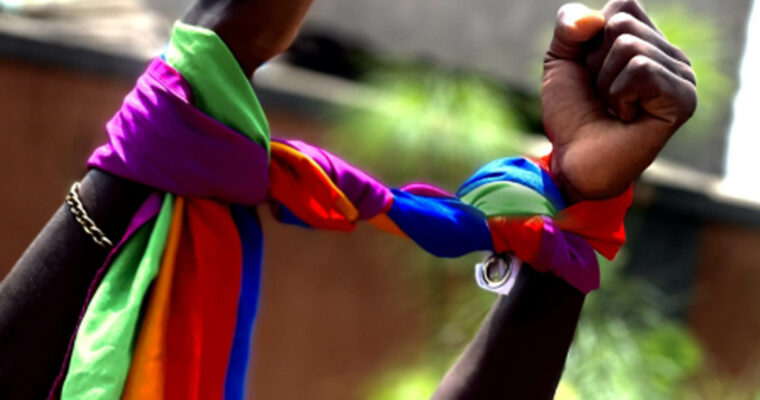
50,120
725,313
336,307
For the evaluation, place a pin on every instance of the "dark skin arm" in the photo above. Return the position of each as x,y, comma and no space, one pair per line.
520,349
614,91
42,297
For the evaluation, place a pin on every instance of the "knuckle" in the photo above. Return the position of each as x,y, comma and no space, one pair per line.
690,101
619,5
687,73
620,23
626,44
630,5
685,104
641,64
626,6
693,107
681,55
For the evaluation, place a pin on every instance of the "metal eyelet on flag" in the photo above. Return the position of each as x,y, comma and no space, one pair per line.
496,270
497,273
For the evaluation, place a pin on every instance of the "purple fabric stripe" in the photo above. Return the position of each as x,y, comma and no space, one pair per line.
369,196
160,139
147,211
171,80
567,256
427,190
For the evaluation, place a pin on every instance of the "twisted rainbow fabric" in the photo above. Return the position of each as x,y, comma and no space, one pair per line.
171,312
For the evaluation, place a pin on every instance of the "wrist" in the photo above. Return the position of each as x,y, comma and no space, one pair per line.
254,30
569,192
218,18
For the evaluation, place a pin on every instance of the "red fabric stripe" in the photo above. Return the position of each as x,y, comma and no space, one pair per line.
204,303
307,191
599,222
521,236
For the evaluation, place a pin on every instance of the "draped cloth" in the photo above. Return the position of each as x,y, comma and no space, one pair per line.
172,311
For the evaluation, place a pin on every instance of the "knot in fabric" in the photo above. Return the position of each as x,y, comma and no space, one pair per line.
171,311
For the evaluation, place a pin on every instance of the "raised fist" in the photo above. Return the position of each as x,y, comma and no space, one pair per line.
614,91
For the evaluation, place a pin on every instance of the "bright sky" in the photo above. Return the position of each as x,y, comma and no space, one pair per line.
743,158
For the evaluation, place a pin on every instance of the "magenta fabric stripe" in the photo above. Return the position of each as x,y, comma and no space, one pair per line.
569,257
160,139
427,190
369,196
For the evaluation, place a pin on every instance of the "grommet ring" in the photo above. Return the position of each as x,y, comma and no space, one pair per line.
498,273
496,270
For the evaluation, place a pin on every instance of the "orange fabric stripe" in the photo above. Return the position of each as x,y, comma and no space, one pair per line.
146,373
383,222
300,184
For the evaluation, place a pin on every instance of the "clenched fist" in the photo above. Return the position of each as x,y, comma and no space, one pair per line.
614,91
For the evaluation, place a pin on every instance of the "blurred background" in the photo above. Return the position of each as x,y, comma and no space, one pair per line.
429,90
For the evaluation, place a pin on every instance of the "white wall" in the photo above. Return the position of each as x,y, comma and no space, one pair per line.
742,168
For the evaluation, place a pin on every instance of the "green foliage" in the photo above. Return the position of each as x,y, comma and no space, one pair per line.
626,348
407,384
704,43
429,124
440,126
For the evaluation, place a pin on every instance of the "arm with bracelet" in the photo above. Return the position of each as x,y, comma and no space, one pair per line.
42,297
195,105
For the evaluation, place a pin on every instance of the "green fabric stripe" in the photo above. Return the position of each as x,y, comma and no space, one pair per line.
106,338
508,198
220,89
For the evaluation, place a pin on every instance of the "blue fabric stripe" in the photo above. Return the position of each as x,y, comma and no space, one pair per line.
518,170
443,227
251,238
284,215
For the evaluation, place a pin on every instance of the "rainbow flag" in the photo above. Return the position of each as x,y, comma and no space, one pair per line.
172,309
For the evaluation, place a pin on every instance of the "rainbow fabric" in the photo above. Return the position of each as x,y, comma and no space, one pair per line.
171,312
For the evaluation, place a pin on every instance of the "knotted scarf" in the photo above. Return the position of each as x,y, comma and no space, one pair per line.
171,312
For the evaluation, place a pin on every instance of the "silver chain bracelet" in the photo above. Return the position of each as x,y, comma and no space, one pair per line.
77,208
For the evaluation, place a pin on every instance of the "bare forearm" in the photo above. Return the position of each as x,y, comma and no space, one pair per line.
42,296
520,350
41,299
254,30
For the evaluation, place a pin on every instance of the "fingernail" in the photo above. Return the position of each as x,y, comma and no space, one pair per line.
590,19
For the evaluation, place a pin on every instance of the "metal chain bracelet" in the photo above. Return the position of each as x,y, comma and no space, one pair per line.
77,208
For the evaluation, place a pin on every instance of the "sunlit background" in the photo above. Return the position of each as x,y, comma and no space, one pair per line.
430,90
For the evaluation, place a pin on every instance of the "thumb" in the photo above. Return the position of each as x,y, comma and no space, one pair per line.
576,24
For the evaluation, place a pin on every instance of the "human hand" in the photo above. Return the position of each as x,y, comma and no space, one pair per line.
614,91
